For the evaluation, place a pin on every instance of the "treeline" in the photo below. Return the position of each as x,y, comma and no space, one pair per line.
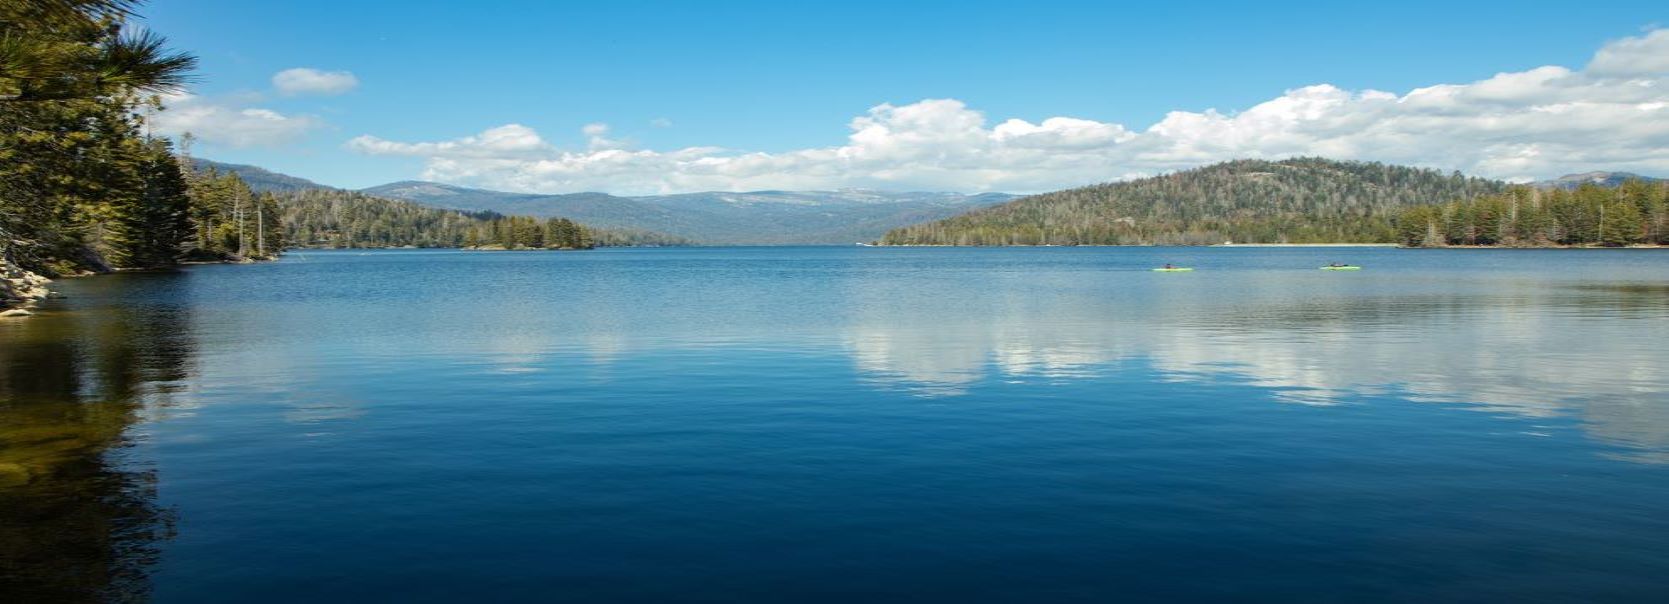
635,238
1634,212
332,218
230,221
526,232
82,186
1304,200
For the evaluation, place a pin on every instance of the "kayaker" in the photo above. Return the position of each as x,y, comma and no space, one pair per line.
1168,265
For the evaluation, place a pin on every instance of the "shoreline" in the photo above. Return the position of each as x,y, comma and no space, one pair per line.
1638,246
1305,245
1134,245
21,290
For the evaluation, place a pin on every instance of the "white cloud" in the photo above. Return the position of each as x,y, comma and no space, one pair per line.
661,122
306,80
1644,55
1542,122
507,142
597,139
227,122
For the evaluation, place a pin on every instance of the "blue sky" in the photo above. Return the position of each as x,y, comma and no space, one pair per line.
784,82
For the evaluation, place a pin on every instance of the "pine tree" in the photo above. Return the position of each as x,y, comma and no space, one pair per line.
1622,224
55,50
154,224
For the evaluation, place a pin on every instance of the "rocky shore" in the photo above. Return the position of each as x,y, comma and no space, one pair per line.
20,290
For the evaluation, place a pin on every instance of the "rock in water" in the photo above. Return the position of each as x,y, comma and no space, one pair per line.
18,286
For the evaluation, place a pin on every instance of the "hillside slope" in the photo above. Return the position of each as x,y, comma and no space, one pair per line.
260,180
1303,200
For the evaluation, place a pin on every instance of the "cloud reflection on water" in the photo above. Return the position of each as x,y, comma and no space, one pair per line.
1536,353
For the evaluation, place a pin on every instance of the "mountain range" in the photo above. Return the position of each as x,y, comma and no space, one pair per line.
748,218
1297,200
1604,179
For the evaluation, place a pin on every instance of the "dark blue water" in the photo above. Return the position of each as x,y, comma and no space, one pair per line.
847,424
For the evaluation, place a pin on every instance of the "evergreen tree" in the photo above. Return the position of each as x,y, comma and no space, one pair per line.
154,224
81,186
1488,219
54,50
1415,224
1622,224
1629,214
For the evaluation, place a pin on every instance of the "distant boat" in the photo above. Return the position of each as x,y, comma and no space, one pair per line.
1174,269
862,244
1341,267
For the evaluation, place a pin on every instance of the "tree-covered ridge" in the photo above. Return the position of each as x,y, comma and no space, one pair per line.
1303,200
333,218
1635,212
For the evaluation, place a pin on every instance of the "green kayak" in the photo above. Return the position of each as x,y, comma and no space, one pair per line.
1172,270
1341,268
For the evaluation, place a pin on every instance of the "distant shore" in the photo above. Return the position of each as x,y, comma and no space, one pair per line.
1144,245
1638,246
1306,245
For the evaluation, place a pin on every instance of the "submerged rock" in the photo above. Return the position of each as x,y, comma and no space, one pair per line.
13,474
19,287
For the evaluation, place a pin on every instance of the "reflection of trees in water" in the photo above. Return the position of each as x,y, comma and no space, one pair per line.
75,525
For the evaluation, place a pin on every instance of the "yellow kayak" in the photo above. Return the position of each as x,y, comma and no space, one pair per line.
1178,269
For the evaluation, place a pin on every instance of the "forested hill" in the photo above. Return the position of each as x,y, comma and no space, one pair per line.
1303,200
334,218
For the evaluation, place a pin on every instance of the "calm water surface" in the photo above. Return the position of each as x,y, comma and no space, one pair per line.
835,424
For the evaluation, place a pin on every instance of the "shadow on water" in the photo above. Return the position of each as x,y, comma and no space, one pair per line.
78,520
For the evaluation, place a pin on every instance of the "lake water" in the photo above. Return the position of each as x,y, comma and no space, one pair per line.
845,424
